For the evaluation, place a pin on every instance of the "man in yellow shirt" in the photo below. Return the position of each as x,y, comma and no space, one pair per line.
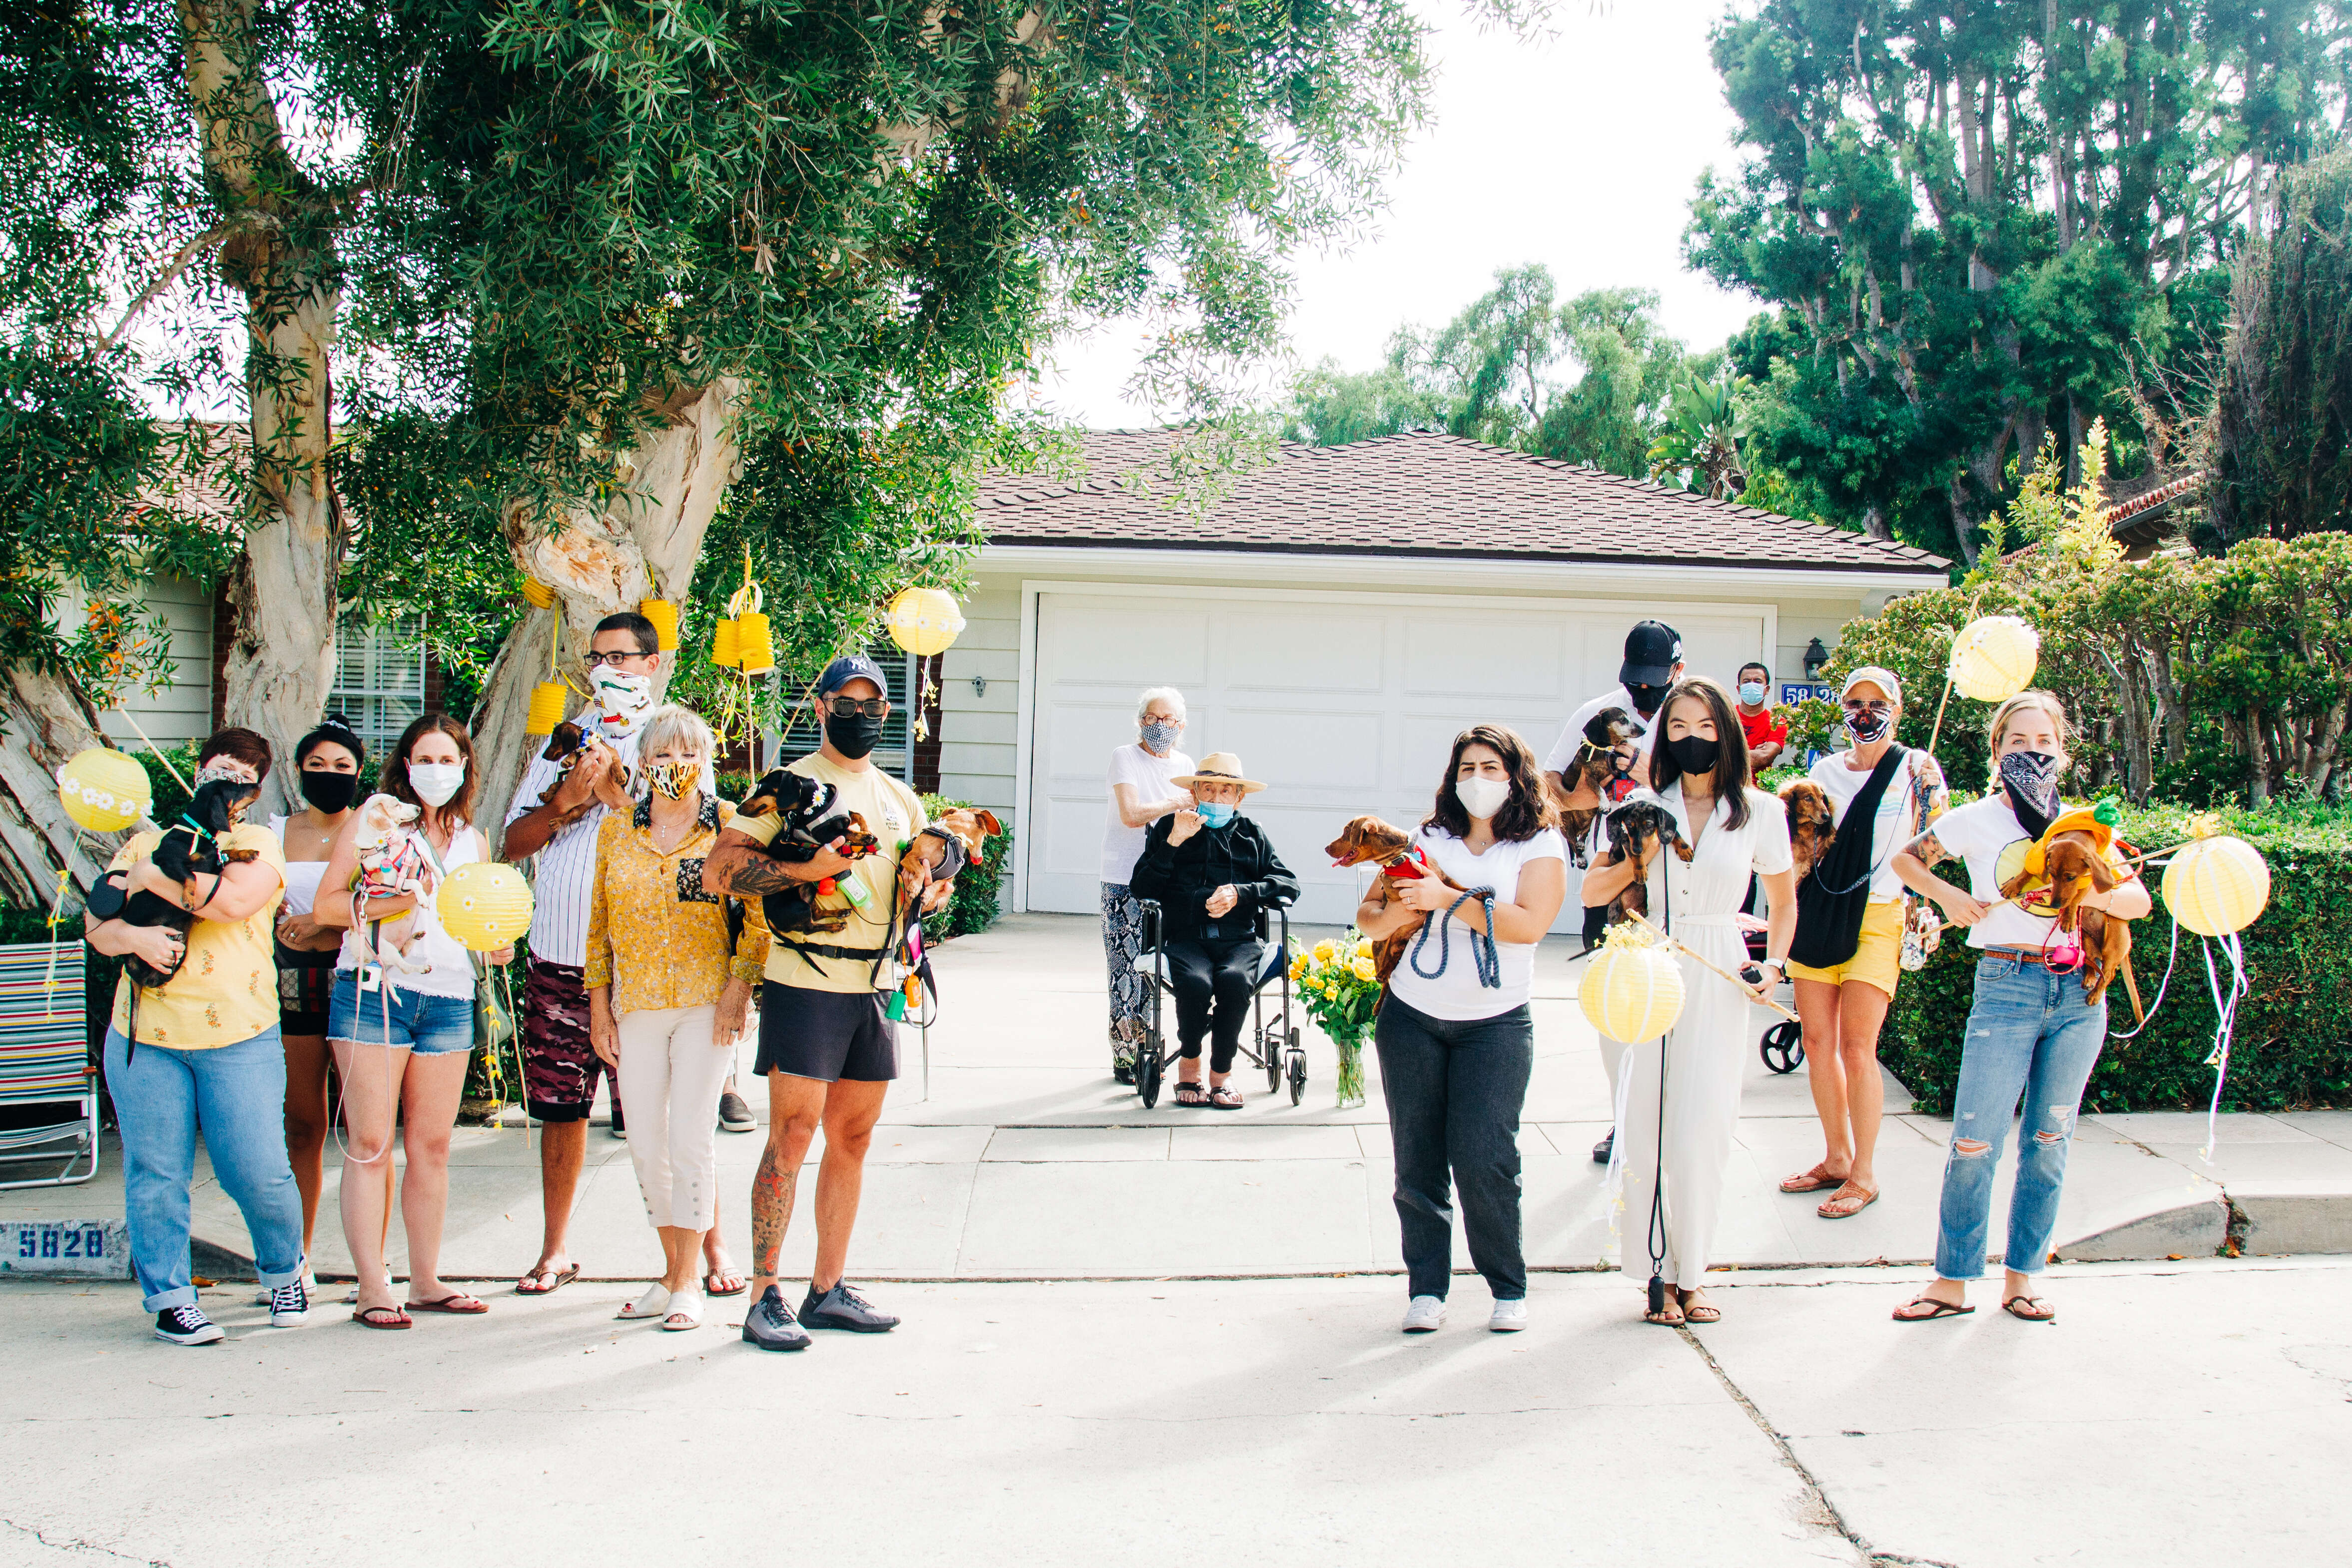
208,1053
827,1048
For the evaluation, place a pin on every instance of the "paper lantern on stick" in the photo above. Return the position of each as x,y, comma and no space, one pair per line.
485,904
1994,658
663,613
1633,990
104,789
2217,886
547,700
924,620
537,594
726,645
755,647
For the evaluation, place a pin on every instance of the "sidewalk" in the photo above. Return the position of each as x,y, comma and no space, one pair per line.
1025,1161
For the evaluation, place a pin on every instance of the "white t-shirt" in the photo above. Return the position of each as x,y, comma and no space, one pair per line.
1564,750
563,871
1455,993
1891,830
1978,832
448,964
1150,777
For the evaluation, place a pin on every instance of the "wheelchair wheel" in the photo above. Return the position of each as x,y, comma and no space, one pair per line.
1270,1045
1298,1074
1784,1047
1148,1068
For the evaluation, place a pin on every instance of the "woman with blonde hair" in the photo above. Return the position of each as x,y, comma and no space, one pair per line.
670,990
2032,1030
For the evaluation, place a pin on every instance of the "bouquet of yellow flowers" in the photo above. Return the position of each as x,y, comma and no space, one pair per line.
1335,979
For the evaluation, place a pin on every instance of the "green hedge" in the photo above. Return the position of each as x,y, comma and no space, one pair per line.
2293,1047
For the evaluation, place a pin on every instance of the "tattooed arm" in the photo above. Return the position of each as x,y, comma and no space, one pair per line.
738,864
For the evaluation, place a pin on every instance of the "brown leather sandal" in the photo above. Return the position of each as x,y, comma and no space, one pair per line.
1842,1204
2028,1309
1903,1314
1817,1179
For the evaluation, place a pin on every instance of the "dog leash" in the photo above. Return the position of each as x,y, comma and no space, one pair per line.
1484,954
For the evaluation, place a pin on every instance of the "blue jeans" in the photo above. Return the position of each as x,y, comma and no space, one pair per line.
2030,1033
238,1093
1455,1087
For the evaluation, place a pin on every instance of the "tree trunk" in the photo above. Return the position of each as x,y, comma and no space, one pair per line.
642,543
48,722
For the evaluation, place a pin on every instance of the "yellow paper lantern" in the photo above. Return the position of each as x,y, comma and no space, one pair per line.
537,594
1994,658
1631,991
2218,885
755,648
104,789
664,615
486,904
924,620
547,701
726,647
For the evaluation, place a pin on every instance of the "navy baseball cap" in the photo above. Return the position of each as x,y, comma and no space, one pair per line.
1653,649
847,668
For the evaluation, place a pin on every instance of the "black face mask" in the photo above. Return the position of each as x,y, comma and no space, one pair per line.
1646,699
853,736
1693,753
329,792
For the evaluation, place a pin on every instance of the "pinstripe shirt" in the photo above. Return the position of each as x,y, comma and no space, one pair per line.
563,872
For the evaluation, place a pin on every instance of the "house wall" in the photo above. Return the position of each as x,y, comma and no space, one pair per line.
182,710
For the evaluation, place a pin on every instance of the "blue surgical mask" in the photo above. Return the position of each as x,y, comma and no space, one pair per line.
1216,813
1752,692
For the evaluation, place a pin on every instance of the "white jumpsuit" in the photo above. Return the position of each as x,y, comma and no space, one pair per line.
1706,1051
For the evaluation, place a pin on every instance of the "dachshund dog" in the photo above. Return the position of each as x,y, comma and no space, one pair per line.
2074,865
1630,827
1812,822
942,850
565,747
189,846
1368,840
809,823
1594,767
392,865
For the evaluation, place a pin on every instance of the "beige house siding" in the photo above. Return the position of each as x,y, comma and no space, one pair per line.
977,743
182,710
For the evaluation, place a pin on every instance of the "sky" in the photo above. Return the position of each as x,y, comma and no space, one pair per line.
1578,151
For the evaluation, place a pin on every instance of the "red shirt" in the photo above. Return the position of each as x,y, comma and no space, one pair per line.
1761,728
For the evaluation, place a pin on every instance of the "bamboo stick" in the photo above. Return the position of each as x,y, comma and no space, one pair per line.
1753,994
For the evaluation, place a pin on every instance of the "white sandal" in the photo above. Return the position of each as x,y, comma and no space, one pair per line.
687,1304
652,1304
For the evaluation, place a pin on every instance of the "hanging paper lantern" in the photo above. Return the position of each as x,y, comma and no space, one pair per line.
924,620
104,789
1632,991
1994,658
755,646
547,701
2217,886
725,646
537,594
664,615
486,904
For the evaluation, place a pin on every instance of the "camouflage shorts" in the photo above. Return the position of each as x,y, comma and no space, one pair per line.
559,1065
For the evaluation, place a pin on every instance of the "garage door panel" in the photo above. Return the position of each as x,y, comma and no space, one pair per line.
1292,749
1128,643
1299,654
1080,733
1483,657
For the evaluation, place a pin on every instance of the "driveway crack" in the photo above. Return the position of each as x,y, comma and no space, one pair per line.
77,1548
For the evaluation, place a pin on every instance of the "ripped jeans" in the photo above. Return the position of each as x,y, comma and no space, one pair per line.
2030,1033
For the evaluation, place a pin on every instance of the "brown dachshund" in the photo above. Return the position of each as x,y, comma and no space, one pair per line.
2074,865
954,841
1368,840
1813,823
1594,767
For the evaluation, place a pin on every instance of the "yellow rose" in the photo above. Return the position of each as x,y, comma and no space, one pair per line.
1325,949
1364,948
1364,969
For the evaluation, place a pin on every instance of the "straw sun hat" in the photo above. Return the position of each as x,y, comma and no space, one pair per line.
1219,768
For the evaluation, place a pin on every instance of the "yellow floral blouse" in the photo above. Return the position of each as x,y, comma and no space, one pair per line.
654,935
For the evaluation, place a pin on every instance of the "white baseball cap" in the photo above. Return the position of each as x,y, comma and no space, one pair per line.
1877,676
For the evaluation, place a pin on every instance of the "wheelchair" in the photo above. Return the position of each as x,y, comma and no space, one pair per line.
1783,1045
1270,1042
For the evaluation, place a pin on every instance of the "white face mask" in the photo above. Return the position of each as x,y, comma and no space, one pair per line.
437,783
621,699
1480,796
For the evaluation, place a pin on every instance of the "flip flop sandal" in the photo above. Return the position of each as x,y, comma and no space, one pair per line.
1817,1179
1943,1310
1845,1196
710,1289
1664,1321
1198,1092
2028,1309
460,1304
1701,1314
381,1318
1224,1099
652,1304
557,1280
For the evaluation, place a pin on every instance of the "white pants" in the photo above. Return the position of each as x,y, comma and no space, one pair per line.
1705,1058
671,1074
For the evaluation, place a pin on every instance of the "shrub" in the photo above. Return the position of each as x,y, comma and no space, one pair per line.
2294,1040
974,906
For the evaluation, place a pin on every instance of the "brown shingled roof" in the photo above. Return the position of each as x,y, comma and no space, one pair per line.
1420,494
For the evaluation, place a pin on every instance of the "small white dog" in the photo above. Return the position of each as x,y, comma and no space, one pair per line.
393,864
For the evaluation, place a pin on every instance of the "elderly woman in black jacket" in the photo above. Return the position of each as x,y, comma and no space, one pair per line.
1211,869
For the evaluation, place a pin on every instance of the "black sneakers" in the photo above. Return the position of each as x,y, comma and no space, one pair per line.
619,1131
1604,1148
187,1325
843,1308
769,1323
289,1305
735,1116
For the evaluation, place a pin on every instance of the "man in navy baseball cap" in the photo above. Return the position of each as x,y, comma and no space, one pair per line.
847,668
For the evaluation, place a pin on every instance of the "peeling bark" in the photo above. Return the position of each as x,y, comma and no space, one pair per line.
47,721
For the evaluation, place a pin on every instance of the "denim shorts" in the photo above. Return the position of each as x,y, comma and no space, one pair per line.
427,1025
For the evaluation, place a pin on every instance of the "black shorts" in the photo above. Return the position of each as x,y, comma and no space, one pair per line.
826,1035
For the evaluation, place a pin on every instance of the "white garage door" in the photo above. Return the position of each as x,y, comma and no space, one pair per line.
1342,703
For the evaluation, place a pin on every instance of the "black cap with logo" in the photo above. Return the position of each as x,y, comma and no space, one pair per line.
1653,649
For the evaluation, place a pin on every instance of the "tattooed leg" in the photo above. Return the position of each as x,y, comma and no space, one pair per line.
795,1108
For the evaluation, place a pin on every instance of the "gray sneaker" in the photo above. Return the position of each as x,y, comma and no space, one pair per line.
1424,1314
769,1323
843,1308
735,1113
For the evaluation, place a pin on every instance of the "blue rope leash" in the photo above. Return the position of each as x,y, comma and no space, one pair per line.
1483,952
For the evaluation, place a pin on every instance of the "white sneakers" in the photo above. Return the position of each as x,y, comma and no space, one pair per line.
1423,1314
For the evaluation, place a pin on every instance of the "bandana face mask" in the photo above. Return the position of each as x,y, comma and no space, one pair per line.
1867,722
2031,779
620,701
671,780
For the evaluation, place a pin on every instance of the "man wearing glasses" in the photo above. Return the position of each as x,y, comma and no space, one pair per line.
827,1048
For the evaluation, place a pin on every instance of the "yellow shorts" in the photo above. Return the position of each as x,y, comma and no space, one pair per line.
1877,962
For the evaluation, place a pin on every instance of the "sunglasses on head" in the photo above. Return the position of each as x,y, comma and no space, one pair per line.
850,707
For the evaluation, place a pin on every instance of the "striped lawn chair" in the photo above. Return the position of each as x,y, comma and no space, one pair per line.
49,1096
